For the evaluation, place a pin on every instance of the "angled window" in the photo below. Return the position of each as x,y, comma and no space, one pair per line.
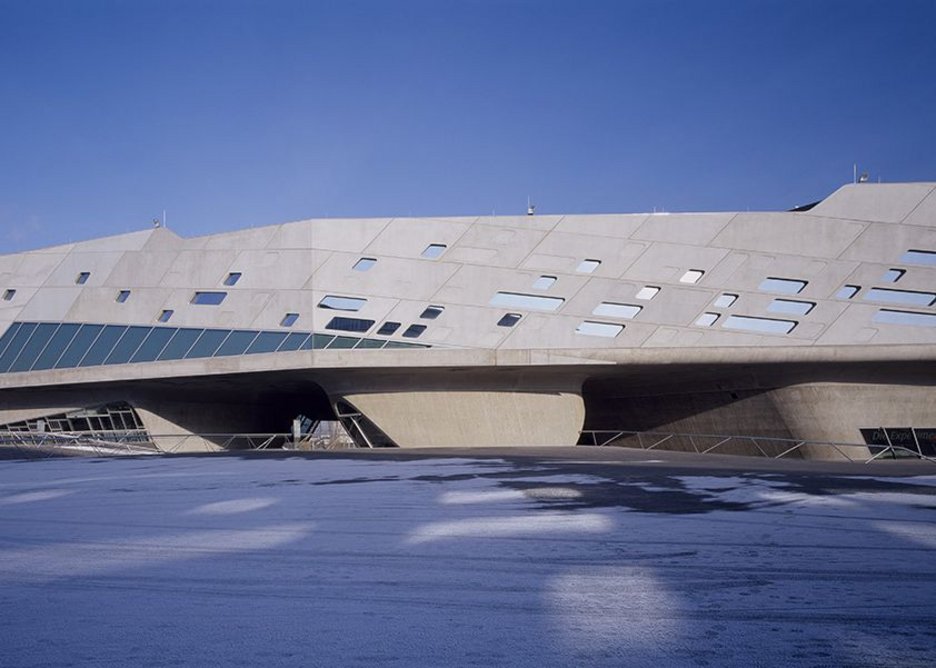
319,341
343,342
83,277
123,296
604,329
759,325
706,319
209,341
153,345
63,336
847,291
587,266
647,292
905,297
103,346
337,303
388,328
612,310
364,263
79,346
371,343
432,312
16,344
692,276
233,278
128,344
725,300
544,282
509,320
414,331
180,344
919,257
892,275
349,324
34,346
165,314
236,342
529,302
289,320
209,298
266,342
8,294
786,286
892,317
293,341
433,251
790,306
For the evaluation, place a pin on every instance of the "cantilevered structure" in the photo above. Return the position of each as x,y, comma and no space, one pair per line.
817,323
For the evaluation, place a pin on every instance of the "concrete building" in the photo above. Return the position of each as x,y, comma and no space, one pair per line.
817,323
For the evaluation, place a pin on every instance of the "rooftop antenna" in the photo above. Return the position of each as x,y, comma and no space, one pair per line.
156,222
855,172
531,208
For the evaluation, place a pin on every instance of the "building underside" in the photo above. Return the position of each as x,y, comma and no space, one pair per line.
813,325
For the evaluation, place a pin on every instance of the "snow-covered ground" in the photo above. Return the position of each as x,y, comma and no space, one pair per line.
305,561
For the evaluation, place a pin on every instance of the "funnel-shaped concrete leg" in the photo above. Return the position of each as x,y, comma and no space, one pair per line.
474,418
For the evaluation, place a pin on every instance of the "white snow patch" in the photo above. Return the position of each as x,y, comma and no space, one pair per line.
29,497
917,532
481,496
232,507
517,525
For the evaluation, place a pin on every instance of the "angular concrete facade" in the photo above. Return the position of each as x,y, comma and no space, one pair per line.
813,324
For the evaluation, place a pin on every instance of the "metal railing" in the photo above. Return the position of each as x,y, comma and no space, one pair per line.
775,448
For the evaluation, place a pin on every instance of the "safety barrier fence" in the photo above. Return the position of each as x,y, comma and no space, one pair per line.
775,448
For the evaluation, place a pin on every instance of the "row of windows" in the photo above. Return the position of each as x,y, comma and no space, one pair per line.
32,346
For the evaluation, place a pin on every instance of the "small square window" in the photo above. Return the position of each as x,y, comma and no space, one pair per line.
388,328
706,319
414,331
364,264
892,275
123,296
289,320
165,315
544,282
433,251
725,300
232,278
509,320
647,292
83,277
339,303
847,291
432,312
692,276
8,294
587,266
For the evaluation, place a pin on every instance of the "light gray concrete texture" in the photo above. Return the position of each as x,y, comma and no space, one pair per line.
540,380
554,558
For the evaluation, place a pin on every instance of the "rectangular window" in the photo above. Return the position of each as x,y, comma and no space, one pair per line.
63,337
434,251
123,296
414,331
891,317
371,344
350,324
544,282
612,310
337,303
919,257
149,350
267,342
16,345
364,264
293,342
528,302
725,300
388,328
79,346
289,320
432,312
233,278
892,275
208,298
587,266
509,320
692,276
83,277
790,306
318,341
127,345
786,286
905,297
706,319
604,329
34,346
8,294
165,314
343,342
759,325
236,343
647,292
208,343
847,291
103,345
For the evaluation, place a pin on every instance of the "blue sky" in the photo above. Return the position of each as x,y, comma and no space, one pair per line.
234,114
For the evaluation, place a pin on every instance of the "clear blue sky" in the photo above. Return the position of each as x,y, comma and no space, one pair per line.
231,113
